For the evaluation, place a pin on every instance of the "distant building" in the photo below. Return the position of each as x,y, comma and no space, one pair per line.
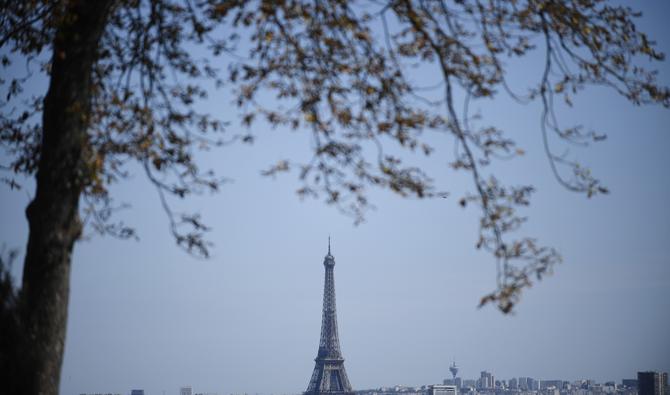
185,391
652,383
486,380
513,384
136,392
545,384
523,383
458,382
469,384
442,390
397,390
629,383
528,384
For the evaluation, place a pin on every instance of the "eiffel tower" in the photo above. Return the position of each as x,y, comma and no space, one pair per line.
329,376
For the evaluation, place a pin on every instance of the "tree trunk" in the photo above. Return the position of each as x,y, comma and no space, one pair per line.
53,215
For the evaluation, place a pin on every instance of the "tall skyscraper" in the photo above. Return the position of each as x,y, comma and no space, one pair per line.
329,376
185,391
652,383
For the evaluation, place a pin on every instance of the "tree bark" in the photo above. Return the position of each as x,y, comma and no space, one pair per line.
53,215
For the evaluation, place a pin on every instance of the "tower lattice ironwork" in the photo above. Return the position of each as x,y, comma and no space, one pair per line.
329,376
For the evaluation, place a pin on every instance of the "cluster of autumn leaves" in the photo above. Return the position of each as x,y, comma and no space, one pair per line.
345,73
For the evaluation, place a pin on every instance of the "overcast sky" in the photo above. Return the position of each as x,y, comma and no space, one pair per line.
408,281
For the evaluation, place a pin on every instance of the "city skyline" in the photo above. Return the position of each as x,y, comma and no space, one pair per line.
533,385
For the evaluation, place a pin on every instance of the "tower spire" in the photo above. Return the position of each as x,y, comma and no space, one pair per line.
328,244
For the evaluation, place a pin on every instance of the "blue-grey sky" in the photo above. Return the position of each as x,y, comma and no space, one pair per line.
408,281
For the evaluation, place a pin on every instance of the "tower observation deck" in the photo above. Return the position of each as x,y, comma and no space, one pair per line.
329,376
453,369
